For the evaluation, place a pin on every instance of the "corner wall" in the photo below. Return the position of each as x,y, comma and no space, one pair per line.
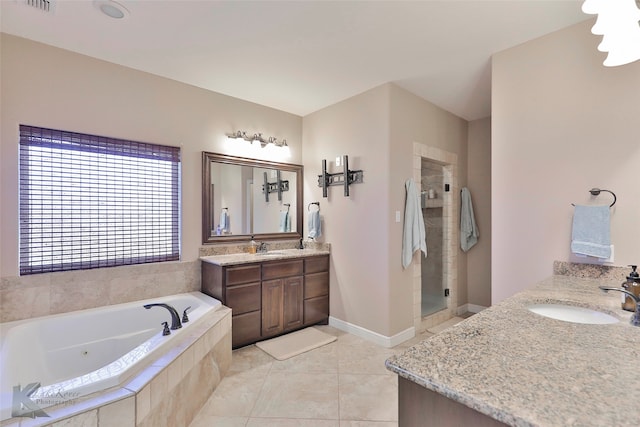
377,129
562,123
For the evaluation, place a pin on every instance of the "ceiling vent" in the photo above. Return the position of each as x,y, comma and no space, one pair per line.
47,6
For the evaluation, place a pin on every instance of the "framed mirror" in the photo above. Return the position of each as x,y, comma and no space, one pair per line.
243,197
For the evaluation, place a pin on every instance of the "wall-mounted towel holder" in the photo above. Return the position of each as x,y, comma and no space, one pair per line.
345,178
596,192
288,205
313,203
274,187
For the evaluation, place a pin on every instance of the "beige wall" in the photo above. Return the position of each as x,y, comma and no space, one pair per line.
50,87
377,130
562,123
479,183
356,226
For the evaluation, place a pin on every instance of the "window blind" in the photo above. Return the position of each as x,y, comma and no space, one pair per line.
89,201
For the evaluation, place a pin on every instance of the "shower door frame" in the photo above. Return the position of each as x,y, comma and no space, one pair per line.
450,212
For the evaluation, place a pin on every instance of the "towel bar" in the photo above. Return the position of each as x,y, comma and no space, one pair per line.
596,192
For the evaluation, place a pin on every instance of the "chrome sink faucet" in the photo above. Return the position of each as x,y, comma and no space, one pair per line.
175,317
635,318
262,248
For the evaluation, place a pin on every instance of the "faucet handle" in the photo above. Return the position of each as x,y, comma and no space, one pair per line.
185,318
166,330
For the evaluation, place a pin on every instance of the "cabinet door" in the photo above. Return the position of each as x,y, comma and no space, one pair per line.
293,308
272,307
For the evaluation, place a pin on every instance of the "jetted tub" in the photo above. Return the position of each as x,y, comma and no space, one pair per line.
78,353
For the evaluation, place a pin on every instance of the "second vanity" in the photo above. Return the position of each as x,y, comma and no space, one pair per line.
510,366
271,293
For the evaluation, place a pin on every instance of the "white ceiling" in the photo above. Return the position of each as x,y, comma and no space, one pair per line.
301,56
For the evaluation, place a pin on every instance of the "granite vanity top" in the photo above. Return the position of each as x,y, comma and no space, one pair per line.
247,258
524,369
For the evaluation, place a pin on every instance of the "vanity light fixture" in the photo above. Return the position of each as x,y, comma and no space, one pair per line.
618,24
258,138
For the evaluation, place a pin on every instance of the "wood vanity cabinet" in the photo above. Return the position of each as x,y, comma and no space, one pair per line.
270,298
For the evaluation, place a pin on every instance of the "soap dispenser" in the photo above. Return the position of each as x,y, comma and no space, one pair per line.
632,285
253,246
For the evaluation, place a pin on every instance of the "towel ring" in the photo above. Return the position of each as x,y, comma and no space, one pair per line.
313,203
596,192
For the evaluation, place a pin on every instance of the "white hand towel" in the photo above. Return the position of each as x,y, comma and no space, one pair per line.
224,220
414,236
590,234
284,217
315,229
468,229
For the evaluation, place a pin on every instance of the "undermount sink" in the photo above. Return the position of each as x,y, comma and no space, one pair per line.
570,313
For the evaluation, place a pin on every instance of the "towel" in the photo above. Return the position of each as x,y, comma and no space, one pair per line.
468,229
590,233
414,236
224,220
315,229
285,222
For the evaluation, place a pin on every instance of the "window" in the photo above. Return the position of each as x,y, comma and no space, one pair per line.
88,201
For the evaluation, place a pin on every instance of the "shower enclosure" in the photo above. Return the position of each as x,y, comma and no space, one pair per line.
433,283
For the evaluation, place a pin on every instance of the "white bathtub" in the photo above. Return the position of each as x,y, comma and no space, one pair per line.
78,353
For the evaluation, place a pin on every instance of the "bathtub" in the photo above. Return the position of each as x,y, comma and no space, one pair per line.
75,354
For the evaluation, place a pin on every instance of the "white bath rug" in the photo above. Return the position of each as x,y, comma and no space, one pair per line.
294,343
444,325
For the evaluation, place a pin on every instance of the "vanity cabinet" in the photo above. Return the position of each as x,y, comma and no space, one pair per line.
270,298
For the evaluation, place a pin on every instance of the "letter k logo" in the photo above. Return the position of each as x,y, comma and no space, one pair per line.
23,406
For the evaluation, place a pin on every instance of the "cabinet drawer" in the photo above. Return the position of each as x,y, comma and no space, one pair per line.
316,310
276,270
243,298
316,284
316,264
245,329
243,274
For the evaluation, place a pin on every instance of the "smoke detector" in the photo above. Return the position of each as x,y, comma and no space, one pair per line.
111,8
47,6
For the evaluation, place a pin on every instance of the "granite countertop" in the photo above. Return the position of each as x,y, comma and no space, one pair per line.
273,255
524,369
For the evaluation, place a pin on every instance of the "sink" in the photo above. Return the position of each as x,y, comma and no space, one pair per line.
573,314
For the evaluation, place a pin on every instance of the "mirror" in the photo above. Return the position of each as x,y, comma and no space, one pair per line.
236,206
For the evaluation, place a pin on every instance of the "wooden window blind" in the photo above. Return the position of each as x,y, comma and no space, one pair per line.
89,201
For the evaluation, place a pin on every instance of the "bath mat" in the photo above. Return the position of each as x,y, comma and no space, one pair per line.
294,343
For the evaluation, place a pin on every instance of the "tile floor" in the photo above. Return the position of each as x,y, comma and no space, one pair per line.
341,384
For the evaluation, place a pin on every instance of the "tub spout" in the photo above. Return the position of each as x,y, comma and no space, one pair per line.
175,317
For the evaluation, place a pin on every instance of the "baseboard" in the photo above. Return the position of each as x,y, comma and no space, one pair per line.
374,337
471,308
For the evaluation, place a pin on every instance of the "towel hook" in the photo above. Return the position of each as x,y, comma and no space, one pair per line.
288,205
597,191
313,203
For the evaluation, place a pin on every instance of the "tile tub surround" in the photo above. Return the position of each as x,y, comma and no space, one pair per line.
170,391
247,258
523,369
38,295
